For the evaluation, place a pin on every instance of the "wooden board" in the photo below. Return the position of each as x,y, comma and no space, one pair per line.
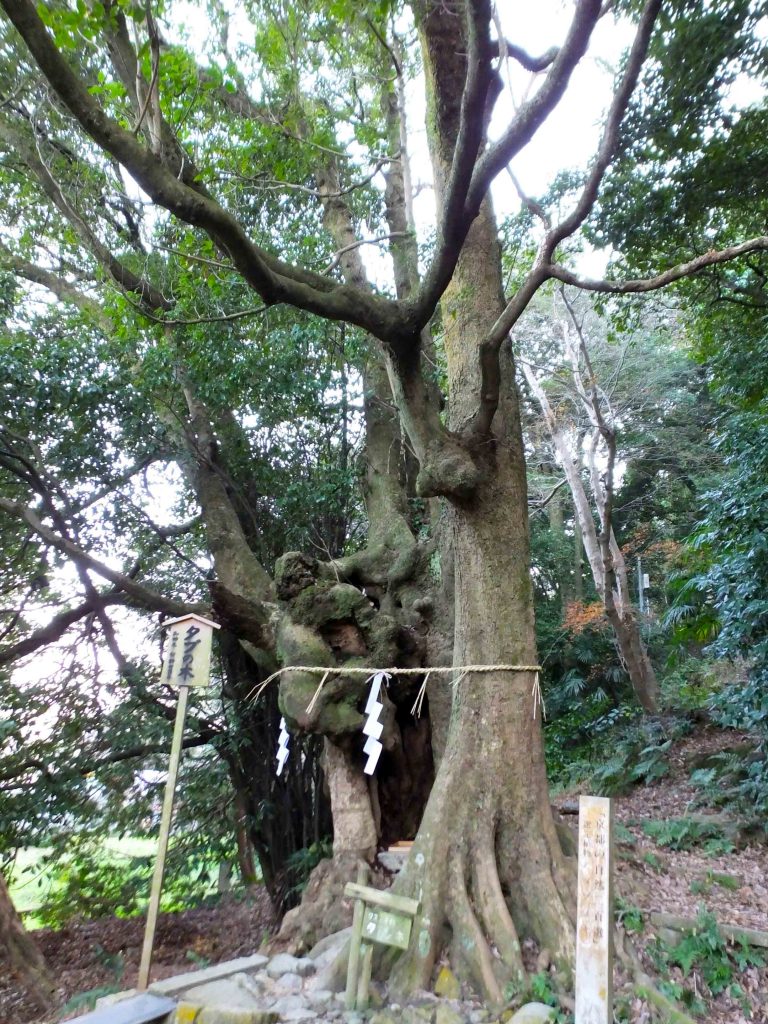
386,928
594,914
144,1008
398,904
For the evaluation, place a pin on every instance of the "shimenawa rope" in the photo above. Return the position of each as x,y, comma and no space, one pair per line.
366,670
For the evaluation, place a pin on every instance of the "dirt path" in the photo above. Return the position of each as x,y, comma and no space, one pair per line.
104,954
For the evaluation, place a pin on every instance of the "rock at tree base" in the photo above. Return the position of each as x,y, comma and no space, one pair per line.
533,1013
193,1013
447,984
446,1014
236,1000
305,966
225,992
283,963
293,1008
288,983
329,946
180,982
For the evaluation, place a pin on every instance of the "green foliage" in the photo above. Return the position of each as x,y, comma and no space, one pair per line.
653,862
587,699
723,599
640,754
301,864
703,953
87,884
690,683
640,746
689,833
737,781
687,162
84,1002
622,835
92,879
542,990
712,878
630,917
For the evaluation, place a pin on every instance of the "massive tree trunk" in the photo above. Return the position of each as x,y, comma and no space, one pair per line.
487,861
21,952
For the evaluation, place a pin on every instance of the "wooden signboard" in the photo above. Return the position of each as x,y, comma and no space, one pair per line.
186,663
594,915
187,653
387,928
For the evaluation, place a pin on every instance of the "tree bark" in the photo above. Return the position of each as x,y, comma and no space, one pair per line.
578,558
487,862
354,829
22,952
497,873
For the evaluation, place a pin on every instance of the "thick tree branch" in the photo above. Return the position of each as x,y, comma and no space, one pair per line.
467,193
610,136
55,283
445,467
57,627
145,597
274,280
113,485
525,59
537,506
473,116
144,95
237,566
536,110
120,273
541,270
83,768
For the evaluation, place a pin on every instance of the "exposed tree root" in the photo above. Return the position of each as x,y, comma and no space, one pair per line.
669,1013
494,913
470,943
483,886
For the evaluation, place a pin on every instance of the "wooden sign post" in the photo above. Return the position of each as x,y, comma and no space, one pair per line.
378,917
186,663
594,914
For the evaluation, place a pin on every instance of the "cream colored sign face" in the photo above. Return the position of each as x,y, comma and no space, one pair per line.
594,962
187,653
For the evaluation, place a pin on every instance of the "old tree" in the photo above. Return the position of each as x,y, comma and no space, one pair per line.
188,211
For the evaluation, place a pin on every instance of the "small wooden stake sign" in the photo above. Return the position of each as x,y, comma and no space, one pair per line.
378,917
186,663
594,914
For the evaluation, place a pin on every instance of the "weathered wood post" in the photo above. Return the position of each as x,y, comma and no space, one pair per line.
594,914
186,663
378,917
354,944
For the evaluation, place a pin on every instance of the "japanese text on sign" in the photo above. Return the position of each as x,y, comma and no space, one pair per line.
188,651
594,967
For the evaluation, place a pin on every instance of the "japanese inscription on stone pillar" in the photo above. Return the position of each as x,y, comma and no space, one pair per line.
594,916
